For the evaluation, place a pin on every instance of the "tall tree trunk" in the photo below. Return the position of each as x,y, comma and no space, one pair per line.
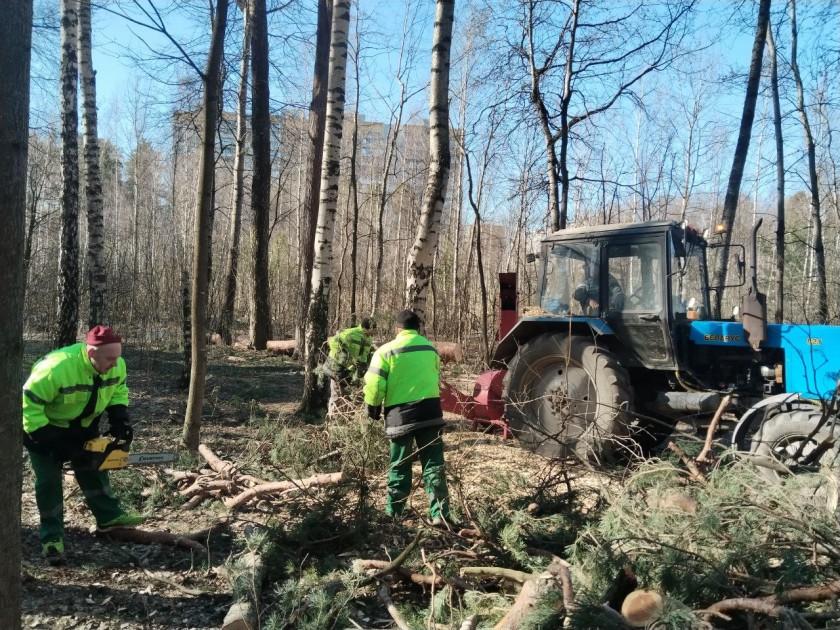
97,278
556,217
261,182
68,279
317,126
779,315
226,321
565,125
810,148
15,46
382,200
354,188
210,84
322,267
730,203
478,248
421,258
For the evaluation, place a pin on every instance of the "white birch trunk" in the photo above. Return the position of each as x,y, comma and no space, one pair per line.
322,267
97,277
68,280
422,255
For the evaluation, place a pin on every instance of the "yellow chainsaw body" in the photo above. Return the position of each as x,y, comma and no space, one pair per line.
105,454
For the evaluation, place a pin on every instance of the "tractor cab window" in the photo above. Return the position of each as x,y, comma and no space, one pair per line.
635,277
567,267
689,292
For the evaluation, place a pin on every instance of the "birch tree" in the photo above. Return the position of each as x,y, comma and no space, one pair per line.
322,267
742,147
15,46
232,266
317,126
68,279
210,85
422,256
97,278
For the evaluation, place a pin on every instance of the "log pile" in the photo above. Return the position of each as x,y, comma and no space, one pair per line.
223,481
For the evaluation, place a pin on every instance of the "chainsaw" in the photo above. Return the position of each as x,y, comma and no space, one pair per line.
106,453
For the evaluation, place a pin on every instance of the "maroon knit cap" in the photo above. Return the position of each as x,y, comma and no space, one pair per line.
101,335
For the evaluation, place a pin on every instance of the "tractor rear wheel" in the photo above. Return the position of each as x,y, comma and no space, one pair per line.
787,437
565,396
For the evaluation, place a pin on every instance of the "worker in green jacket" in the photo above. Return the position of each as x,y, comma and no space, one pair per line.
404,376
348,359
64,397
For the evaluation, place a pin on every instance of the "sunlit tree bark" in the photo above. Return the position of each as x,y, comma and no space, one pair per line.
317,125
742,147
813,180
422,255
68,279
261,182
97,278
322,268
232,270
210,84
15,45
779,256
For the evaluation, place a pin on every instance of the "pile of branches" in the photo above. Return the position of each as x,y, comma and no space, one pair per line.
718,547
224,481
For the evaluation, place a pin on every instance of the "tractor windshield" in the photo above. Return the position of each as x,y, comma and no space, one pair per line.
689,291
567,267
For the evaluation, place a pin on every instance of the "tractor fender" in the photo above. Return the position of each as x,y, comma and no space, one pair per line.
756,412
529,327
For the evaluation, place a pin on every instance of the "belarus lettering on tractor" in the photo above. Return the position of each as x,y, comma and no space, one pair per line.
621,345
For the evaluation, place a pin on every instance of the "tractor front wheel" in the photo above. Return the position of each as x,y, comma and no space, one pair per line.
801,439
564,396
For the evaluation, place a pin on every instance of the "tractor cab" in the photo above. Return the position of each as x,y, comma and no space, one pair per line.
643,281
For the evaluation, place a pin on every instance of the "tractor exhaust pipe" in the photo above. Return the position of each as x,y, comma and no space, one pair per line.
754,306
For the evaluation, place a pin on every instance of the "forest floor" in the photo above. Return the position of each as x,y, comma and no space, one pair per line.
249,419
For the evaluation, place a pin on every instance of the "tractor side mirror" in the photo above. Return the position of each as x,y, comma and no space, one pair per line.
532,257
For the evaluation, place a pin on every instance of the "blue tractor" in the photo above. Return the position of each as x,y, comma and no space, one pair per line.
622,346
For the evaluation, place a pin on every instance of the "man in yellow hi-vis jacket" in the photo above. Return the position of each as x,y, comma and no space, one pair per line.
63,399
348,359
404,376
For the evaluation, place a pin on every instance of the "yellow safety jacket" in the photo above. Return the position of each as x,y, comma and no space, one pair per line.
350,347
60,386
404,375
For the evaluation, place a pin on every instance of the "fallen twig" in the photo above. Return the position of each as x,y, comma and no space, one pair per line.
385,596
688,463
710,433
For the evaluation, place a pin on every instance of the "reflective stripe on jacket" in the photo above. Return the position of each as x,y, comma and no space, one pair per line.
404,375
60,386
350,346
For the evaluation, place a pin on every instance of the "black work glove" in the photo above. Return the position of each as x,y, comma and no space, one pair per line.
118,426
59,443
121,431
374,412
46,438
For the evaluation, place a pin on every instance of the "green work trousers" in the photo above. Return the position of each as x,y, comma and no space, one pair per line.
49,495
429,448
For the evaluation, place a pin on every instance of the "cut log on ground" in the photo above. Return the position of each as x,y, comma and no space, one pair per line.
242,615
276,487
532,592
449,351
285,347
144,537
